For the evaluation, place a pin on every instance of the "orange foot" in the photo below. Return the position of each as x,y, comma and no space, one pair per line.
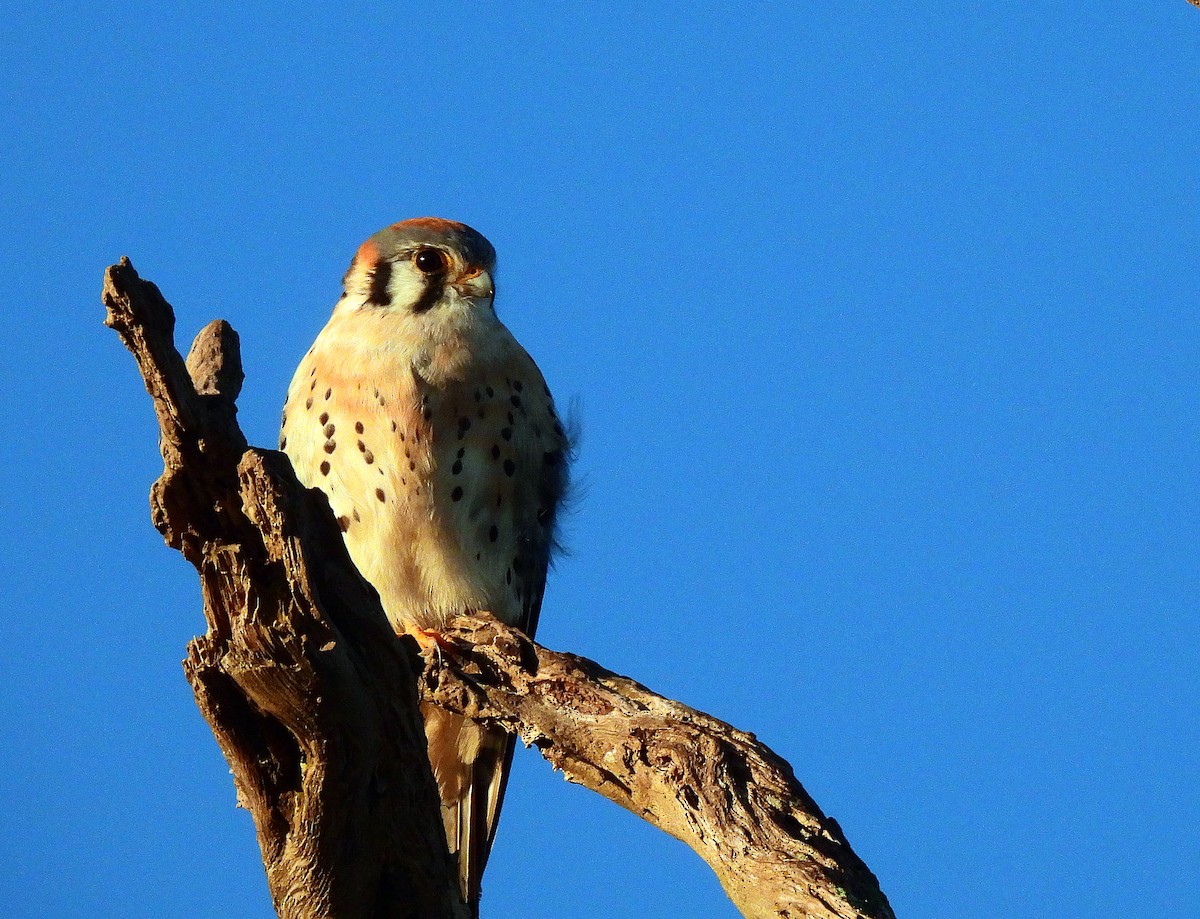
427,639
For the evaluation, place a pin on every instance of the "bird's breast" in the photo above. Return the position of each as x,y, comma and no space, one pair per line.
434,464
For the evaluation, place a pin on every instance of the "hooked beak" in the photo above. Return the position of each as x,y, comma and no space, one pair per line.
476,284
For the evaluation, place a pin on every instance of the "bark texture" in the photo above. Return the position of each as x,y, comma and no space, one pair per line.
310,695
716,788
314,701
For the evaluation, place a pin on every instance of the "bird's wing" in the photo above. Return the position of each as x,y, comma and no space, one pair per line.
478,809
478,812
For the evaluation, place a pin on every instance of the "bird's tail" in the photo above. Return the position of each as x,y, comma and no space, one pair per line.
471,764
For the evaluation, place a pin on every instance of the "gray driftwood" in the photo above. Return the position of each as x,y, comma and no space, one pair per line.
314,701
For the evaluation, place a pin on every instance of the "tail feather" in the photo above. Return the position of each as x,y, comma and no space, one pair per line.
471,764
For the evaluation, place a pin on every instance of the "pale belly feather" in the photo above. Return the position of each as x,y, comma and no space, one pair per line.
444,491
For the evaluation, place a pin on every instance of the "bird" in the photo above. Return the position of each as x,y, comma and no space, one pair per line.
436,440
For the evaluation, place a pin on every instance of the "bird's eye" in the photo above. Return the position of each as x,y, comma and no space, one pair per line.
430,261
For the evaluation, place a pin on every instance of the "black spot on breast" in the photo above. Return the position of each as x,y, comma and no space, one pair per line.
381,276
518,385
329,429
461,451
506,433
323,418
491,392
456,468
283,443
344,523
308,402
380,495
515,400
325,468
358,427
495,451
509,467
330,446
457,494
369,457
493,533
464,425
412,465
328,393
394,430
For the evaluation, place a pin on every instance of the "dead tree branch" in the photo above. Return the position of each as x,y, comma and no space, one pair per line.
313,700
311,696
716,788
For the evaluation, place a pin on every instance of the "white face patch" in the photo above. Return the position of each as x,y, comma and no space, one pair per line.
406,285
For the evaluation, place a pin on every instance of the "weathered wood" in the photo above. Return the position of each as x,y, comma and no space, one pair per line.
314,701
310,695
716,788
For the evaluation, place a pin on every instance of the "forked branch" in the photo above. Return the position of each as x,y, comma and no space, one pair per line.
314,701
310,695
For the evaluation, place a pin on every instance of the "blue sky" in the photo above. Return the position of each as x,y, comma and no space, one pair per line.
883,326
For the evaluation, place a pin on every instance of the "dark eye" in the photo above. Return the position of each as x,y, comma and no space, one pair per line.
430,261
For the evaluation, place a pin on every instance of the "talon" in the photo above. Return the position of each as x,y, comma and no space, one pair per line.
427,639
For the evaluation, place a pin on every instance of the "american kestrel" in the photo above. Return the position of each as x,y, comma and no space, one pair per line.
435,438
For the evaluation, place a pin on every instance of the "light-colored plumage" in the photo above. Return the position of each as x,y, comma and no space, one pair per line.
435,438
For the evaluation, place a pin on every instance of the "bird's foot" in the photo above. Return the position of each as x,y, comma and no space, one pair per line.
427,639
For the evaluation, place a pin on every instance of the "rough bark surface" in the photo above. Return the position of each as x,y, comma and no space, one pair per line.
313,700
310,695
716,788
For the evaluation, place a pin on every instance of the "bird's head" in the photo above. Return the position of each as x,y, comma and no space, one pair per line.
421,265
